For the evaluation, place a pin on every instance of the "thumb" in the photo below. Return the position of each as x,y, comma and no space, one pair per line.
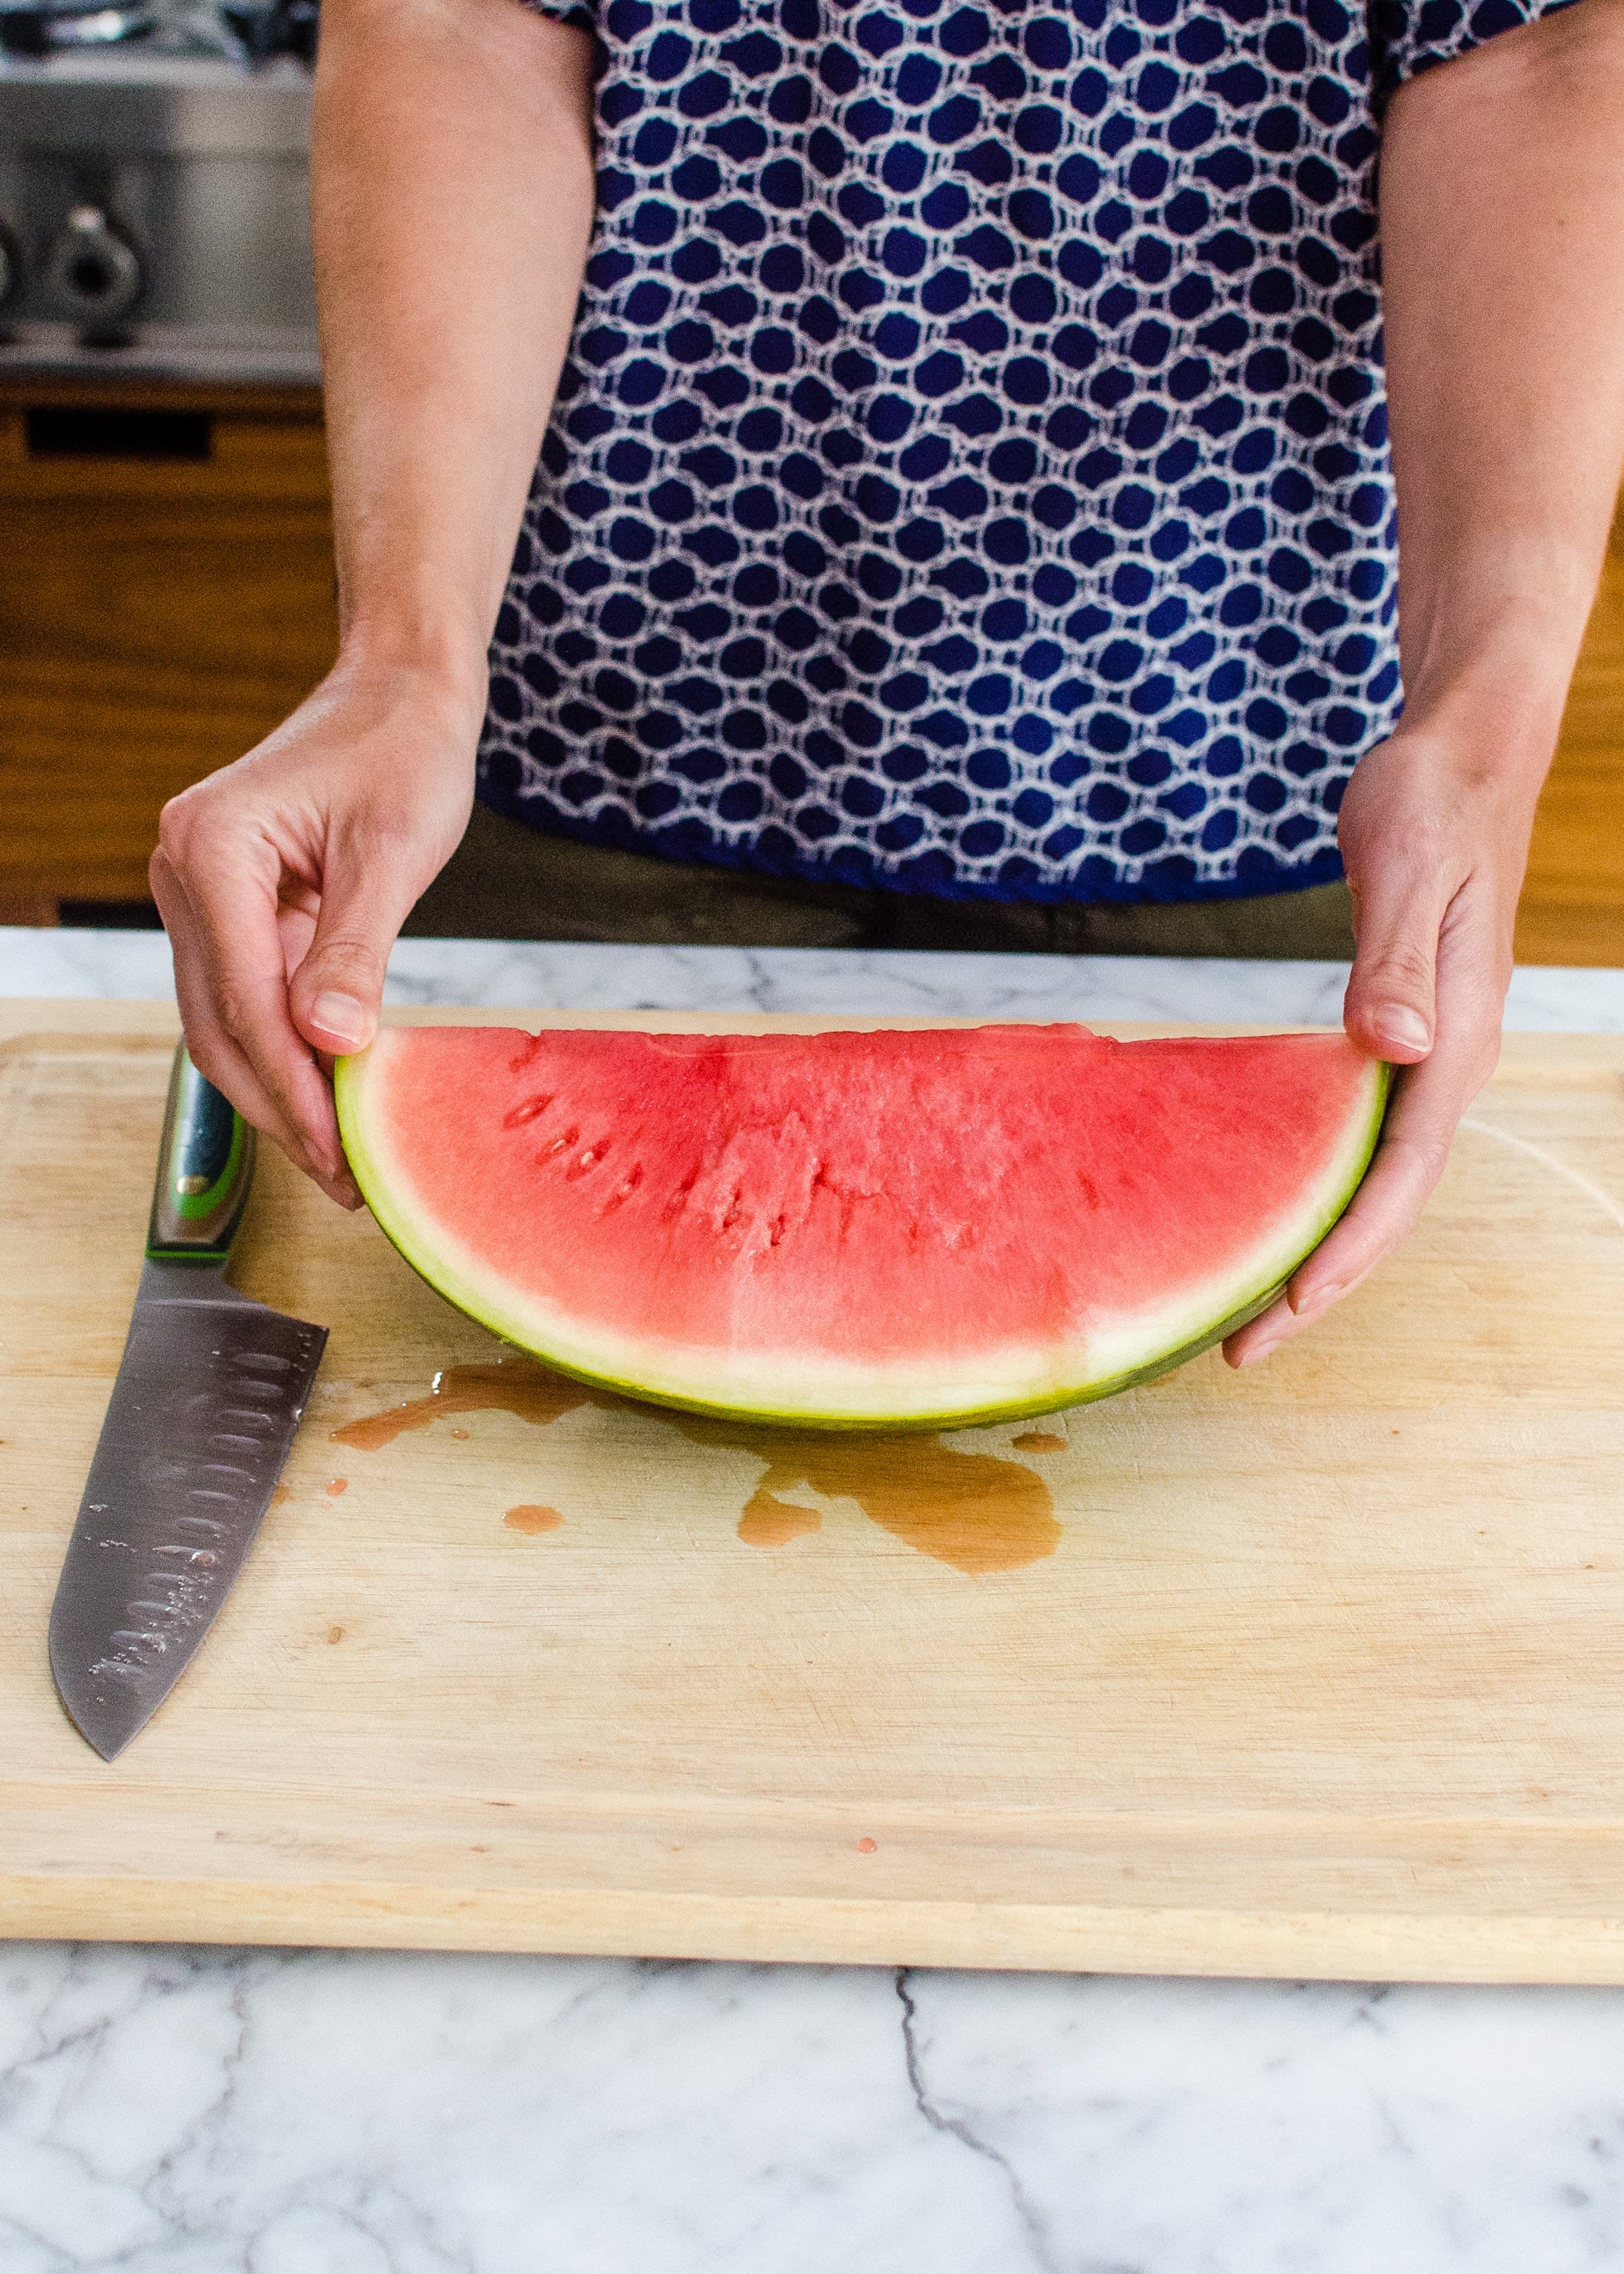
336,994
1390,1008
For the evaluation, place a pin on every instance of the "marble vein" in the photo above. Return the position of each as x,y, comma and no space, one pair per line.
958,2128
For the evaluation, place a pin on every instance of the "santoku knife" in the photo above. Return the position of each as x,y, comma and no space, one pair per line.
209,1393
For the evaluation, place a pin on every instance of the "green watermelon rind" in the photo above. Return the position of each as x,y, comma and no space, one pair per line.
398,1227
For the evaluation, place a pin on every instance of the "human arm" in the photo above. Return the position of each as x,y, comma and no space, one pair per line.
451,203
1502,232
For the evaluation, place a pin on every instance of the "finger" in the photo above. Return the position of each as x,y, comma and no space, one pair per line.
213,1050
233,994
220,1060
1383,1212
1390,1007
370,883
295,923
1428,1101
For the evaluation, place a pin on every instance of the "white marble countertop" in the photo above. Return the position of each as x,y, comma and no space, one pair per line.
426,971
250,2112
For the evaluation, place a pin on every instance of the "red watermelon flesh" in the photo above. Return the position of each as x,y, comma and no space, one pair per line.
858,1229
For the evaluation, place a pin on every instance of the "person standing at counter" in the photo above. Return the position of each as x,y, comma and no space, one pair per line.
940,456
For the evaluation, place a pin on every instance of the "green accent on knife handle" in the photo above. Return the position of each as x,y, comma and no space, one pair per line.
206,1161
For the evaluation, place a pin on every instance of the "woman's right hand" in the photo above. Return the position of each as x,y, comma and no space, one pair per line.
283,879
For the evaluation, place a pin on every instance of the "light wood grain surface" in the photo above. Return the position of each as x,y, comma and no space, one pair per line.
1309,1671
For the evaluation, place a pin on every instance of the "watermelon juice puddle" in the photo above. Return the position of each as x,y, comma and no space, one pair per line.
971,1511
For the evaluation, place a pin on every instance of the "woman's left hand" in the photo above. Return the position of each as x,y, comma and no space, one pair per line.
1434,833
1502,263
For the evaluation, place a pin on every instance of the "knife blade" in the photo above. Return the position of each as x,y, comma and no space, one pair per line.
204,1409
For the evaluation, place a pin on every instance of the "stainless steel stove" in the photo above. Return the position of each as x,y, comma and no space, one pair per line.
153,202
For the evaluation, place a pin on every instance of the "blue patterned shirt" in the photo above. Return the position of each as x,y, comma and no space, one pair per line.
970,473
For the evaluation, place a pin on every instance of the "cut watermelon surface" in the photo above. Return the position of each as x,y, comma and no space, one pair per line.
909,1227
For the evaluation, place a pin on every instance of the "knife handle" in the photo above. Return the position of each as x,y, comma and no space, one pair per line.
206,1161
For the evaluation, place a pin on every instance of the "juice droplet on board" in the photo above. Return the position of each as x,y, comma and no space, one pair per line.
973,1510
532,1519
767,1521
1039,1441
282,1493
525,1390
338,1485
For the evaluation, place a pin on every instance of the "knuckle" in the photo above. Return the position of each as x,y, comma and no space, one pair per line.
203,1048
1405,849
1401,964
1427,1151
186,827
1433,1156
233,1009
384,833
175,828
349,954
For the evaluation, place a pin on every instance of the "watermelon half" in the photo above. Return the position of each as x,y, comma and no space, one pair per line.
906,1228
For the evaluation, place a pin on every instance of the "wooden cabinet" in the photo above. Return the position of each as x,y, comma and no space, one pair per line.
1572,909
166,596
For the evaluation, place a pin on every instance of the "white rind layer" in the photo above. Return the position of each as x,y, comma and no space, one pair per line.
830,1391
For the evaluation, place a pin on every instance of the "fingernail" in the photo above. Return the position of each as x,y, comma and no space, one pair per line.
1397,1023
1317,1300
1257,1351
348,1022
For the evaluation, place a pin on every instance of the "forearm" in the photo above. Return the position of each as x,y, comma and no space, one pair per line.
451,204
1502,222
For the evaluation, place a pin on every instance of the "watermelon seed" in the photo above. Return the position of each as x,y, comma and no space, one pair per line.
530,1108
590,1159
628,1185
557,1145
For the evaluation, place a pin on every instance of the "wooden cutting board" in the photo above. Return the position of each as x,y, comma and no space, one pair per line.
1312,1670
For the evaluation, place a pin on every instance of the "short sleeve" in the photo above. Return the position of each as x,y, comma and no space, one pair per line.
1409,36
578,12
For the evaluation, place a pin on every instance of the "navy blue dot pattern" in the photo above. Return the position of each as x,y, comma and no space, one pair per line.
970,471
